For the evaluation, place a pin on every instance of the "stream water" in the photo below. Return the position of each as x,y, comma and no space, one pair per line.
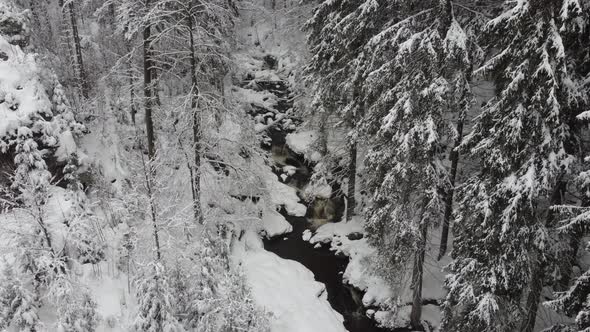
327,268
325,264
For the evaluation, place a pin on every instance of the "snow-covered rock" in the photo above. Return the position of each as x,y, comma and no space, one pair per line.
301,142
273,223
283,195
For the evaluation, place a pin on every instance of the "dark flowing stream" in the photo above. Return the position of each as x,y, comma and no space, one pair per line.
325,264
327,268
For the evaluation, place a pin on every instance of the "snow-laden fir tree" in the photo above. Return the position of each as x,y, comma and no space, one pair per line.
524,140
337,33
191,41
215,297
18,305
155,312
76,310
415,82
38,128
83,225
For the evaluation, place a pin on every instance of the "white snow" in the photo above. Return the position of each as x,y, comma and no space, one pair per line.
66,146
273,223
319,189
301,142
53,213
20,89
282,194
262,99
286,289
378,292
289,169
307,234
357,271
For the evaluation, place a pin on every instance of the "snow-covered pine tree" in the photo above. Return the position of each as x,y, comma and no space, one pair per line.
76,310
337,33
219,300
191,42
62,109
38,125
83,236
201,29
32,179
524,140
415,81
135,19
240,313
18,305
155,312
576,36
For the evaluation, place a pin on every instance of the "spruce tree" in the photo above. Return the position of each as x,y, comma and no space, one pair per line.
415,83
155,312
18,305
524,140
337,33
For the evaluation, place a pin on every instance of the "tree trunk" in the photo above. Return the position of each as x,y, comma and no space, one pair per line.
133,111
454,157
66,30
148,175
196,176
148,88
569,263
447,15
417,274
323,132
532,302
536,283
153,213
148,179
78,51
351,181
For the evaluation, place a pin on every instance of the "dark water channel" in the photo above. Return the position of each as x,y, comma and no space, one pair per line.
325,264
327,268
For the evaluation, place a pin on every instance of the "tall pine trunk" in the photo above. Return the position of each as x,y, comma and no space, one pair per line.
538,270
417,277
133,110
80,72
454,157
148,54
568,264
323,132
148,76
447,15
67,31
196,173
151,195
351,180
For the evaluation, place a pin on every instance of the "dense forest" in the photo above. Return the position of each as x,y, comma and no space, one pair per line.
295,165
